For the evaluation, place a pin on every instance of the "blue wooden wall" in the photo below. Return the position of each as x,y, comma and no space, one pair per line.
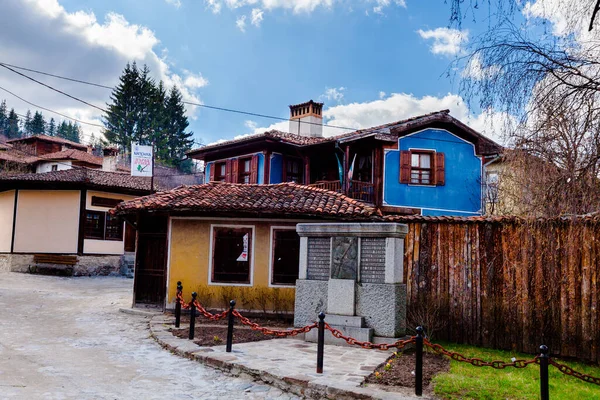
276,171
261,167
461,195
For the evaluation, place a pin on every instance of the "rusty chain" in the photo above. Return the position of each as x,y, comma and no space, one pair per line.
273,332
478,362
206,314
184,305
368,345
565,369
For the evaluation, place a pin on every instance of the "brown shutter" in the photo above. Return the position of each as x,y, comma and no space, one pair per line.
440,173
405,166
228,169
213,167
235,170
254,169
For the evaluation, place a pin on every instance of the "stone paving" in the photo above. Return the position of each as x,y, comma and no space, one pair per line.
289,364
64,338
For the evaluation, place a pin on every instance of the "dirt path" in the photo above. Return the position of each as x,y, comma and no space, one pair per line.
64,338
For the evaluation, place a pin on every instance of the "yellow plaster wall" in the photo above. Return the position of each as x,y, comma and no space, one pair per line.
47,221
109,195
189,263
7,205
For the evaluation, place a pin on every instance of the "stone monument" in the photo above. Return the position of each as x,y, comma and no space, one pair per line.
353,272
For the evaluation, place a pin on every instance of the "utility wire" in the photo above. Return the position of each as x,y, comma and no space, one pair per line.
57,76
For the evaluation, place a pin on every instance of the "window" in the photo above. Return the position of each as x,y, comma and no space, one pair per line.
285,257
245,170
492,187
94,225
105,202
293,170
54,167
420,168
102,226
232,254
220,172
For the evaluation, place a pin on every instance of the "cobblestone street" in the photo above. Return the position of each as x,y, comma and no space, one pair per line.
64,338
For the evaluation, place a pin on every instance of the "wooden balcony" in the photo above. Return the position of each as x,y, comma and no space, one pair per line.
363,191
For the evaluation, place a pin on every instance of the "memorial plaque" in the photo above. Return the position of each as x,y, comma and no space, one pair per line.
344,258
372,260
319,259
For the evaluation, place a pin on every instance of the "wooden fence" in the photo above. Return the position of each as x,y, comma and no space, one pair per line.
507,285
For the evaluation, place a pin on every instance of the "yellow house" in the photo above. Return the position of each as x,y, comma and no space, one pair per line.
228,241
63,217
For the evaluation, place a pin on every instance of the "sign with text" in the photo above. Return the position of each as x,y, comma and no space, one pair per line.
141,160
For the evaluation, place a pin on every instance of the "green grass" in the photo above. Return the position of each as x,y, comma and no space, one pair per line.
465,381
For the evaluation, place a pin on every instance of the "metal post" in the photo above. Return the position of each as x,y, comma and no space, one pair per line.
320,342
544,391
230,327
193,316
419,362
178,305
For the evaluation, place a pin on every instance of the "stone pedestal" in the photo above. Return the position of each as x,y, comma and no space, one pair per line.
354,273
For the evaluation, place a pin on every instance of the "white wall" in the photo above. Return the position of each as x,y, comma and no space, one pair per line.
313,128
7,204
47,166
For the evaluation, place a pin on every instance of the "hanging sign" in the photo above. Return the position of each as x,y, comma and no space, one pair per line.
141,160
244,255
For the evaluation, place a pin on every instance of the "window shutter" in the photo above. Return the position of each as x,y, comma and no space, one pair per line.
213,167
284,168
440,173
228,168
254,169
405,166
234,170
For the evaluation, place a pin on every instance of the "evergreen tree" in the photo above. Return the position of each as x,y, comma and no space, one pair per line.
13,125
38,125
3,118
27,131
51,128
62,130
178,139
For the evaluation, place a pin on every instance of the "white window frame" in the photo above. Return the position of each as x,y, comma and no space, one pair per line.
271,248
210,255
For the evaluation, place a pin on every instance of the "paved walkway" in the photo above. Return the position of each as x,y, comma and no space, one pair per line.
64,338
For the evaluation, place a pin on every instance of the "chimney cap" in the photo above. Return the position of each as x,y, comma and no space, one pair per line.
110,151
306,103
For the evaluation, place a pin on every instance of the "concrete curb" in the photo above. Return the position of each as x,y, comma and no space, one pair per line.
300,385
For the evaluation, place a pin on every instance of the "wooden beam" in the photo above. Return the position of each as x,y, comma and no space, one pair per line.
267,167
14,224
81,233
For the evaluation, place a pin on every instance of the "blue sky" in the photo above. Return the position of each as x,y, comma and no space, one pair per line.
370,61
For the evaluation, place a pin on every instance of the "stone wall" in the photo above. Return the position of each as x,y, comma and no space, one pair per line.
86,265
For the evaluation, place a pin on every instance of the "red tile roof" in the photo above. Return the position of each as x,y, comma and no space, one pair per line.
89,177
279,199
73,154
17,156
46,138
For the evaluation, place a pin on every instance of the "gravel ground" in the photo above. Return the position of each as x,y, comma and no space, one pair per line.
64,338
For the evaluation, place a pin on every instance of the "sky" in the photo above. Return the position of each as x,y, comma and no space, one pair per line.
370,61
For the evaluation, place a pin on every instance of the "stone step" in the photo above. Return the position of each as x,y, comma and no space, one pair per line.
345,320
360,334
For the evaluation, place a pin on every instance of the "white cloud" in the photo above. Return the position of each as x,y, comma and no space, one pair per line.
334,94
257,16
174,3
241,23
398,106
381,95
446,41
41,34
476,71
381,4
252,125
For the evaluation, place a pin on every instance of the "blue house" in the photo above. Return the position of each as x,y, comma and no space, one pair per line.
432,164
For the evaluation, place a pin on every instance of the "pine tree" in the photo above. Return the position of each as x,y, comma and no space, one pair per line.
51,128
13,131
178,139
62,130
27,124
38,125
3,118
121,121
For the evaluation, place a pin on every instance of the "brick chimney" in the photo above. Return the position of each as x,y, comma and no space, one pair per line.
109,159
306,119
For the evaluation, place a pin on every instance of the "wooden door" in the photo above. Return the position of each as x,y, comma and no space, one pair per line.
149,284
130,234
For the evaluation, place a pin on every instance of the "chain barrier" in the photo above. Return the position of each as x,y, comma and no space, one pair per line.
565,369
273,332
184,305
206,314
400,344
478,362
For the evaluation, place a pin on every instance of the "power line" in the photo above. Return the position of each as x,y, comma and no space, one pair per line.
58,76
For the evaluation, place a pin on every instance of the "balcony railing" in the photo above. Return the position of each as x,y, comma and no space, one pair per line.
364,191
